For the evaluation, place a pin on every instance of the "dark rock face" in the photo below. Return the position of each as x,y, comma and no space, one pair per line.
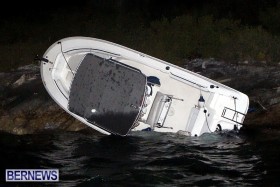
26,107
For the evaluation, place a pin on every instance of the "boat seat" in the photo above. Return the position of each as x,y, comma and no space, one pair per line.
152,81
156,109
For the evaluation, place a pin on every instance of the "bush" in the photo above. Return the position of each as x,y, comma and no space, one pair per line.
184,37
228,40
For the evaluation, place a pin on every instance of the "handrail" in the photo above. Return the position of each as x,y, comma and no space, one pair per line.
234,117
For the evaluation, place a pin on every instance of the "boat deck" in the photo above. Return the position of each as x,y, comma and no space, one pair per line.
184,98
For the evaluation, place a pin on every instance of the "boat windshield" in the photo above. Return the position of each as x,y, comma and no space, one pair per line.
107,93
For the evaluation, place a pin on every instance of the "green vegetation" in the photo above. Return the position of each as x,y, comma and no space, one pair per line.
172,39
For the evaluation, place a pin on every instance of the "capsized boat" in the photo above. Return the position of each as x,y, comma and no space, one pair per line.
116,90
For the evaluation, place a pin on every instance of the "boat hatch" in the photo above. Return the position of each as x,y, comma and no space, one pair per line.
107,93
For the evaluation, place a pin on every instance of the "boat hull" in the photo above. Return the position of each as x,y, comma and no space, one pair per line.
163,97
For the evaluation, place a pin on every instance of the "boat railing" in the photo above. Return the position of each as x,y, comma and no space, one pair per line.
233,115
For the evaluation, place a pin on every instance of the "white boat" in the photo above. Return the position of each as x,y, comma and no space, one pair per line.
115,90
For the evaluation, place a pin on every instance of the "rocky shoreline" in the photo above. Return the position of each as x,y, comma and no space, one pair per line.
27,108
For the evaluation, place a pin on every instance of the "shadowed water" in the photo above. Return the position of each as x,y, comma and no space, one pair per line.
144,159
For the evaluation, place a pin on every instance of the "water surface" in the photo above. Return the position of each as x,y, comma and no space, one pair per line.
145,159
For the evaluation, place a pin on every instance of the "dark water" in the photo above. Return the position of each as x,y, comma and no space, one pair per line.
145,159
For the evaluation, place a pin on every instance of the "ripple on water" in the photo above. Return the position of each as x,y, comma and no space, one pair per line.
140,159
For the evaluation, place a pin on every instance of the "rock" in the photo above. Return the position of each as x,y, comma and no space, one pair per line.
30,67
269,118
20,121
20,131
274,101
20,81
24,79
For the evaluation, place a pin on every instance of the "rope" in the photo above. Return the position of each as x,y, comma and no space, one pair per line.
205,111
234,98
